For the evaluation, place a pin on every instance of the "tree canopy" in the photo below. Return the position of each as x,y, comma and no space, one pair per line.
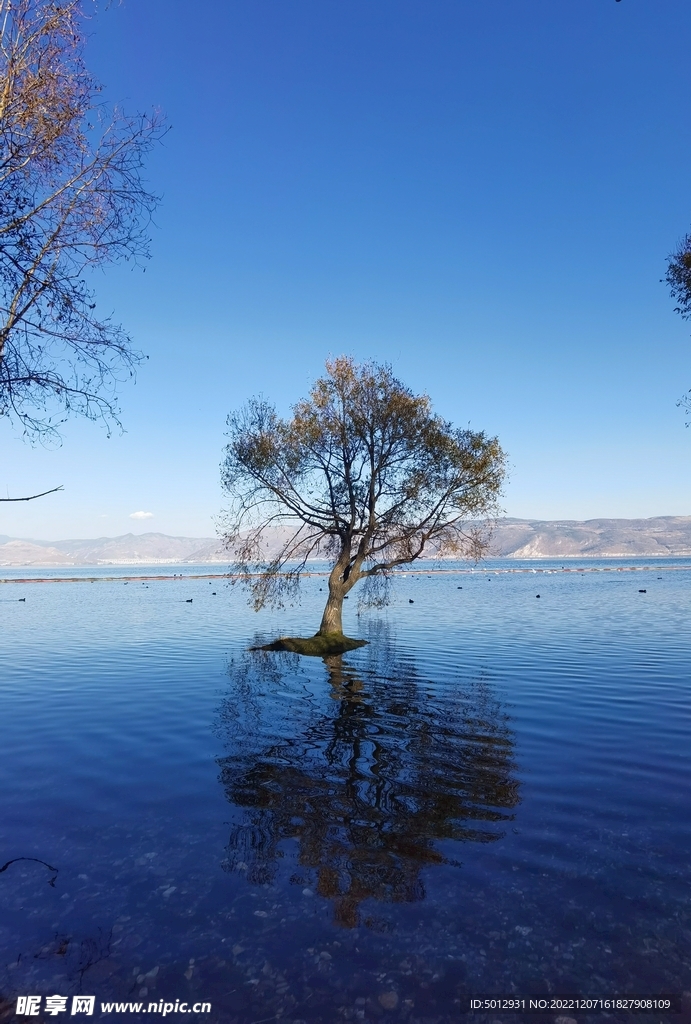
363,473
679,280
72,198
679,277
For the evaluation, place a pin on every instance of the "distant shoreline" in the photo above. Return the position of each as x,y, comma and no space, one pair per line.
324,572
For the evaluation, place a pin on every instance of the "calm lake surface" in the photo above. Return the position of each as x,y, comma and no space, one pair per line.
494,796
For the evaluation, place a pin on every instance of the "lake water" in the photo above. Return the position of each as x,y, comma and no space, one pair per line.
493,797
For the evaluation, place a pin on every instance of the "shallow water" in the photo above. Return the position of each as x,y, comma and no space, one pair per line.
492,797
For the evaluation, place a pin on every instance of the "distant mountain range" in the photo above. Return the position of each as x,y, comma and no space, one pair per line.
142,549
662,537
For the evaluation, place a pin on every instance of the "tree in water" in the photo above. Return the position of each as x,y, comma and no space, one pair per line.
363,473
72,199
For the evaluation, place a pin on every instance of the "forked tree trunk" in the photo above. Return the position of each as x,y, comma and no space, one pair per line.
332,619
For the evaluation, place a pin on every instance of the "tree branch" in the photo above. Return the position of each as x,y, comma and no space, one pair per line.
32,496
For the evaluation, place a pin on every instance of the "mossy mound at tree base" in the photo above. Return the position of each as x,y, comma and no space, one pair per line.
321,645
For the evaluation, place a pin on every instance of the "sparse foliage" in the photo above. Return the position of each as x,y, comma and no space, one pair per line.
364,473
72,199
679,280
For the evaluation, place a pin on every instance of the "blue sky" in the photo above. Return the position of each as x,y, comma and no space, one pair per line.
483,194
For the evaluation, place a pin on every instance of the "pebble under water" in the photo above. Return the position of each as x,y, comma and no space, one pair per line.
492,798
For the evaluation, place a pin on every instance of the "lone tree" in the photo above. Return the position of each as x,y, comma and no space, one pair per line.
679,280
363,473
72,199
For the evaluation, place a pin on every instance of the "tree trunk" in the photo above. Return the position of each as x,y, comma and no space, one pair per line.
332,619
340,582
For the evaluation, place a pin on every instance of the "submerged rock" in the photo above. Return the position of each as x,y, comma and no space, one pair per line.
389,1000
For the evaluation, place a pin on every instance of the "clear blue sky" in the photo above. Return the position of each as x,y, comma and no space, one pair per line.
483,194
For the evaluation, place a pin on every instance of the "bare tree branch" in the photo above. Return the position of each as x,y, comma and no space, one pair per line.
32,496
72,198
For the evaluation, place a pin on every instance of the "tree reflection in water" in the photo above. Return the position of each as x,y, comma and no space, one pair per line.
366,787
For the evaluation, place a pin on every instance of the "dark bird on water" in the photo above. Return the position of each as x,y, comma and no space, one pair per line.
410,601
189,600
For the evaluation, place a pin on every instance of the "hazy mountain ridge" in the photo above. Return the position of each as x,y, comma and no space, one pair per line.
663,536
134,549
